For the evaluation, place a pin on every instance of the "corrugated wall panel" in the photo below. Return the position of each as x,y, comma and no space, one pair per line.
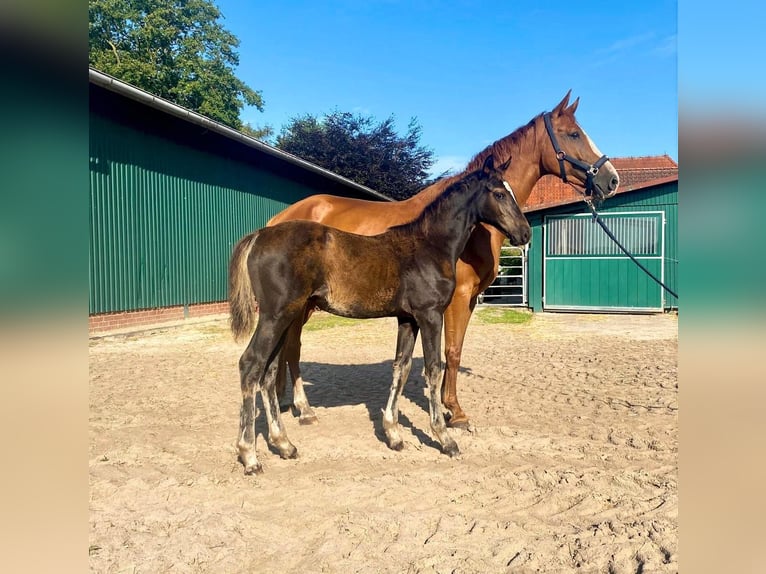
661,198
164,218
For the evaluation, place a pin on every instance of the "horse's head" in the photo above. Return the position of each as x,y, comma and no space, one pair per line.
498,206
572,155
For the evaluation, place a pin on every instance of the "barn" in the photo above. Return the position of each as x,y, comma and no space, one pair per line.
171,192
574,266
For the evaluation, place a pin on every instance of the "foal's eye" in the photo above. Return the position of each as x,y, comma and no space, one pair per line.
499,195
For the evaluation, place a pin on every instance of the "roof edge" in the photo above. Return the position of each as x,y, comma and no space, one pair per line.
627,189
149,99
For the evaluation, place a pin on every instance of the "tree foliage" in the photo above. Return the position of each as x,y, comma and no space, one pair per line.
357,147
175,49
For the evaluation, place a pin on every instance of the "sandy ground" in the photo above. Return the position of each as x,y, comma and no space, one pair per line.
572,465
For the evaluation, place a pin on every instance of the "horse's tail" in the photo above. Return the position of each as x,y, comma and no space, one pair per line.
242,304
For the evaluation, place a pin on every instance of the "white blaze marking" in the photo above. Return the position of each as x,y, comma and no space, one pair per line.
597,151
592,145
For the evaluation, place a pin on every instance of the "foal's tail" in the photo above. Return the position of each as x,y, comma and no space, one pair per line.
242,304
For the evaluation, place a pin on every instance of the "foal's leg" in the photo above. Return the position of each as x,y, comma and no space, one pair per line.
405,343
250,372
277,434
259,355
431,324
456,318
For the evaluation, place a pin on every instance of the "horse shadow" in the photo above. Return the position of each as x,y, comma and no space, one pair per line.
328,385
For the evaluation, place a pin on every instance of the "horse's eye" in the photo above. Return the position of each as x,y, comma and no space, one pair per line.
574,135
499,195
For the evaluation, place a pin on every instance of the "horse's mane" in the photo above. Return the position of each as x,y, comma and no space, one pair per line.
503,148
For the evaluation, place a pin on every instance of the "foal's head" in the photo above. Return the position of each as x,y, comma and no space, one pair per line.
497,204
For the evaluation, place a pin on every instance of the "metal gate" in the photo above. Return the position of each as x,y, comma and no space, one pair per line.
584,270
510,286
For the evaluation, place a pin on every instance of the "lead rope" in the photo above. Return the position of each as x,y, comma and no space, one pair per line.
625,251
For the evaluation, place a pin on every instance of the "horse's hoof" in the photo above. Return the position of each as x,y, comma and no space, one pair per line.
451,450
309,420
285,408
399,445
253,469
291,452
462,424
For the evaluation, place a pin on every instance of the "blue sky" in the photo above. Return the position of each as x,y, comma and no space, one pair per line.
469,71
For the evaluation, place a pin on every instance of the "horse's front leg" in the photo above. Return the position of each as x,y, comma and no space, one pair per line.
456,318
431,325
405,344
291,355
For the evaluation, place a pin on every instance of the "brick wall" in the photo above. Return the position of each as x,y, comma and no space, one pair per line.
148,317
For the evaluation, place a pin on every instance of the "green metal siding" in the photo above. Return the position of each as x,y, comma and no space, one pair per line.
662,198
594,283
535,263
164,217
585,269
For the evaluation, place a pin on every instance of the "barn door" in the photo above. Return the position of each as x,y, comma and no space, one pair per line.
583,269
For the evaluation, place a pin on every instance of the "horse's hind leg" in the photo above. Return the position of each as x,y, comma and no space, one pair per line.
405,343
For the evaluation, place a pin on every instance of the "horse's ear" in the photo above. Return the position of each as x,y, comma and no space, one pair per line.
489,164
563,103
505,166
573,108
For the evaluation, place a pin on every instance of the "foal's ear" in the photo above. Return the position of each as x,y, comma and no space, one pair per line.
505,166
489,164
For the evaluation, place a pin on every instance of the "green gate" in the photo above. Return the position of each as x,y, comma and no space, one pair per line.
583,269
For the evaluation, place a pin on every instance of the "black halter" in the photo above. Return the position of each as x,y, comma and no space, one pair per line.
590,169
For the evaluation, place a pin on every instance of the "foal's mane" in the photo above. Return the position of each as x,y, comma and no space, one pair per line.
502,149
430,212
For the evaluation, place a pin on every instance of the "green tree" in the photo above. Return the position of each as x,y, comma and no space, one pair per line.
175,49
365,151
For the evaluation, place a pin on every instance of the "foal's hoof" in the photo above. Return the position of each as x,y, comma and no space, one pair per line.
308,420
291,452
285,408
451,450
254,469
398,445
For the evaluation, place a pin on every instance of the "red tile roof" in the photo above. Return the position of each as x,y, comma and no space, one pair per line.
635,173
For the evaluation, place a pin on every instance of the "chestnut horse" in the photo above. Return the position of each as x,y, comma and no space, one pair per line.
407,272
551,143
